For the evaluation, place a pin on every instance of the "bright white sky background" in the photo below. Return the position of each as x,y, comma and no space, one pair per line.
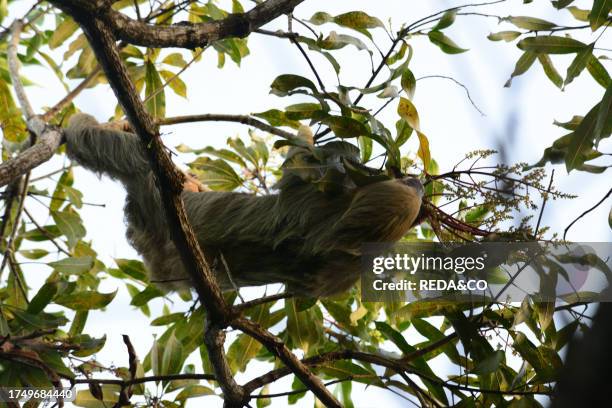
453,126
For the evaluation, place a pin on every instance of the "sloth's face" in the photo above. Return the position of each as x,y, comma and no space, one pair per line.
414,183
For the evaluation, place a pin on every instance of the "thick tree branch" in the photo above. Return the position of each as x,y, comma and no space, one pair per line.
48,141
170,182
184,34
13,65
49,137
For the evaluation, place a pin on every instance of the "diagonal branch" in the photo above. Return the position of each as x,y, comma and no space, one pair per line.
279,349
170,182
13,65
183,34
48,142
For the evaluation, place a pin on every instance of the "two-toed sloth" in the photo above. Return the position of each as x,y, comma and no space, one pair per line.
302,237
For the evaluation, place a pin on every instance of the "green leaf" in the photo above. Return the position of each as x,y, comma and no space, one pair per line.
73,265
394,336
365,146
175,59
78,323
33,253
84,398
143,297
335,41
522,65
244,349
579,14
404,131
446,21
579,63
345,127
321,17
551,45
39,320
217,174
154,92
70,225
603,125
43,297
531,23
283,84
175,83
599,13
544,360
490,364
572,124
305,329
343,369
408,83
133,268
85,300
550,70
446,44
237,7
88,345
357,20
581,139
193,391
62,32
477,214
506,36
168,319
172,357
13,126
264,402
559,4
598,72
301,111
276,117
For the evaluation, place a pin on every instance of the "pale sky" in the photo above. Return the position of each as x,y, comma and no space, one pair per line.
453,126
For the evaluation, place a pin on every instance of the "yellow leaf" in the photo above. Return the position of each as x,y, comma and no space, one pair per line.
408,112
424,153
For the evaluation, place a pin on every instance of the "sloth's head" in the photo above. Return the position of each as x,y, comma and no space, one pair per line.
415,183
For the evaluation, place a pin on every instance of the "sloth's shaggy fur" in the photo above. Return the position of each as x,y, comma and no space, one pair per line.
302,237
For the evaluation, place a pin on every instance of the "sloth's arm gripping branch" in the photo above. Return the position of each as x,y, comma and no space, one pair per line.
113,150
105,150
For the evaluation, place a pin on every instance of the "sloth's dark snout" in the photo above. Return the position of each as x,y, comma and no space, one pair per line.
414,183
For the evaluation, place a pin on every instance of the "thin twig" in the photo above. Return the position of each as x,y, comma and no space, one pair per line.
605,197
465,88
13,64
266,299
66,100
214,117
45,232
176,75
537,228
